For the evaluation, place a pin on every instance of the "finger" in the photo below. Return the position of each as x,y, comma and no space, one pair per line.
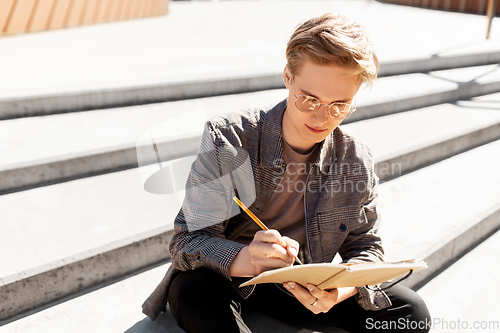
292,247
266,264
270,243
268,249
301,293
270,236
316,292
326,298
261,250
305,297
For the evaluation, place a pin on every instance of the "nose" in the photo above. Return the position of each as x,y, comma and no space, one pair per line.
321,115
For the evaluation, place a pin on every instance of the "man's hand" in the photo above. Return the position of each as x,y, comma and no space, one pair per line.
268,250
323,300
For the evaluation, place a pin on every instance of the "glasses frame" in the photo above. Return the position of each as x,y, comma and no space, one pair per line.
328,106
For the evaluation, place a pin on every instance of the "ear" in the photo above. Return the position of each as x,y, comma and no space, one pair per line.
287,77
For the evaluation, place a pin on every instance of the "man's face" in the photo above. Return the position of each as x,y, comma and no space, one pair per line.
328,84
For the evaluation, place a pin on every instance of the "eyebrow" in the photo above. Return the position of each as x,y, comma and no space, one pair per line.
312,95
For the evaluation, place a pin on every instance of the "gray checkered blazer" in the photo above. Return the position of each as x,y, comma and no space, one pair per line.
340,201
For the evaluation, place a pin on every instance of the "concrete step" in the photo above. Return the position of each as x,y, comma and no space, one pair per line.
79,144
406,141
49,149
164,58
117,308
462,297
461,213
114,308
441,211
406,92
80,233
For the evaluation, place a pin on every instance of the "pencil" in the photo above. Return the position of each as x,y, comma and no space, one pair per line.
256,220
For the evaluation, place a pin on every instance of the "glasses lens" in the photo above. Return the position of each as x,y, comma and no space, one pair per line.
306,103
339,110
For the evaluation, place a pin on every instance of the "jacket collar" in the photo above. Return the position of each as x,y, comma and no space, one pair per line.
271,146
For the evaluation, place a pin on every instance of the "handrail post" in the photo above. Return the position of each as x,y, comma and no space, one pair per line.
490,13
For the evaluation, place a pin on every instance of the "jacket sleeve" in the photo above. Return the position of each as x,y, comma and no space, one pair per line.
199,239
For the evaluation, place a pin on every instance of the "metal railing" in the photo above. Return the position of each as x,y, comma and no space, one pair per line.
490,13
469,6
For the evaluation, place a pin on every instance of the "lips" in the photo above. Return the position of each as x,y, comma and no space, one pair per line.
315,130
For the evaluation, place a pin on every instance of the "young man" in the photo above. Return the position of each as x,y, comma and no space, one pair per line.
311,183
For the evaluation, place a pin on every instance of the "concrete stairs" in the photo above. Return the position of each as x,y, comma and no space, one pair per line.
94,242
90,231
475,273
105,140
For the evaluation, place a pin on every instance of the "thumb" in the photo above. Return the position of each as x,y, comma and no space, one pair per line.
294,251
292,246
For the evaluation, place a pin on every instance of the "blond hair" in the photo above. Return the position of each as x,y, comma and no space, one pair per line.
333,39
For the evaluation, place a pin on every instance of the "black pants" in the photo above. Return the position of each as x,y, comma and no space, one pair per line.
203,301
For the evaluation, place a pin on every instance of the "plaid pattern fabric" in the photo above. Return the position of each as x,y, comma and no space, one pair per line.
340,200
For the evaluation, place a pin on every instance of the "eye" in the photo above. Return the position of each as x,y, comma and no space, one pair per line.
334,112
308,99
309,102
340,107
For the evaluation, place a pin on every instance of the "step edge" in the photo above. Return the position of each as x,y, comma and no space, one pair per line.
421,156
458,245
438,258
26,175
483,225
71,277
150,93
57,170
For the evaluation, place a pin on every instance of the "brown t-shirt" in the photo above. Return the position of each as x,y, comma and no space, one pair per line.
285,210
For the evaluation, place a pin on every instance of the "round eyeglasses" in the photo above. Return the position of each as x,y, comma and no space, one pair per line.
308,104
